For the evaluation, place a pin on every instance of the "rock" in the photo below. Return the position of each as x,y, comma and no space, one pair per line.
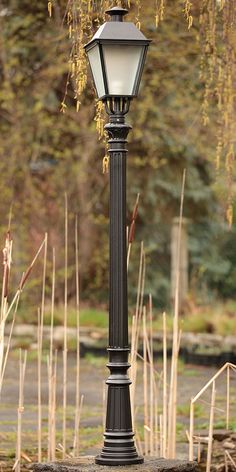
88,465
223,441
200,348
230,341
229,445
221,434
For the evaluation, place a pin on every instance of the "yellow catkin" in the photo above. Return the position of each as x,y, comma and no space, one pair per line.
219,149
157,19
222,4
137,18
69,17
100,119
162,10
230,214
217,67
50,9
187,12
63,107
105,164
230,158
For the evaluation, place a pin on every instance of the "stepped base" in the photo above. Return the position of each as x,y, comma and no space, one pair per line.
106,460
86,464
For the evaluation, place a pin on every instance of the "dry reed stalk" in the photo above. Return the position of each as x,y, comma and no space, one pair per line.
165,399
232,366
39,427
8,344
153,390
140,294
211,424
59,448
136,326
77,395
191,430
139,443
175,391
51,374
49,366
7,259
220,410
52,304
78,421
226,463
65,348
157,442
52,408
218,373
153,430
161,436
226,366
148,363
53,414
22,367
104,402
145,385
152,406
40,348
230,458
138,308
228,398
175,346
24,278
199,451
131,232
5,311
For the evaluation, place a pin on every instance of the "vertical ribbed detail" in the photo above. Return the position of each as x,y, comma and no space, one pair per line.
118,326
118,409
119,447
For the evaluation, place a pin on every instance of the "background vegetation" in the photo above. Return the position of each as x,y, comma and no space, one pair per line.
45,153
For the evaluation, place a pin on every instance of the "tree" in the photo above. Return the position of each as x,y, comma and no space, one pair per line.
45,153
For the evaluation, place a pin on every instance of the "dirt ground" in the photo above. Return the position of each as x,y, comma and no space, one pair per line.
93,374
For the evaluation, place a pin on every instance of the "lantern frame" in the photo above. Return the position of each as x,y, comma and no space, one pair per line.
118,33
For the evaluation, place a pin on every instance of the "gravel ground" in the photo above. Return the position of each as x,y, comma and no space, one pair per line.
93,373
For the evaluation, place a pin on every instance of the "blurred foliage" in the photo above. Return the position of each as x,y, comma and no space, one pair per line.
45,153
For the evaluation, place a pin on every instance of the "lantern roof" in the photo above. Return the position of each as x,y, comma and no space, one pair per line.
118,31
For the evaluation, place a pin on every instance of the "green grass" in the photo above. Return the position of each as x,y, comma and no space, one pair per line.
220,424
98,361
91,317
184,410
218,318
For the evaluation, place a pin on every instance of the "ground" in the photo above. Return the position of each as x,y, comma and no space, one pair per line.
93,373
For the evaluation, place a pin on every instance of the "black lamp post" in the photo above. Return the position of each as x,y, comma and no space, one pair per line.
117,54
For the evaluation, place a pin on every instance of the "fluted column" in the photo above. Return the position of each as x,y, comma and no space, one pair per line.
119,447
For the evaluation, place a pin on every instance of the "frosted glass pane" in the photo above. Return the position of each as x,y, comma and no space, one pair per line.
121,64
95,64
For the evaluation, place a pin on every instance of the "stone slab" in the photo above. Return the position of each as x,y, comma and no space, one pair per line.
196,348
88,465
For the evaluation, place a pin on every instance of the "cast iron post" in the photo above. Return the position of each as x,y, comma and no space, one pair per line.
119,447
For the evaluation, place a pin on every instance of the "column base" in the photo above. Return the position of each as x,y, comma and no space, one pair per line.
119,449
102,459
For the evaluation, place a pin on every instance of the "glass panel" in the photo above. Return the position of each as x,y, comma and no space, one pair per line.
122,67
95,64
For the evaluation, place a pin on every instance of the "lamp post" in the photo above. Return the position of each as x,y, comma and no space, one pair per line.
116,55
